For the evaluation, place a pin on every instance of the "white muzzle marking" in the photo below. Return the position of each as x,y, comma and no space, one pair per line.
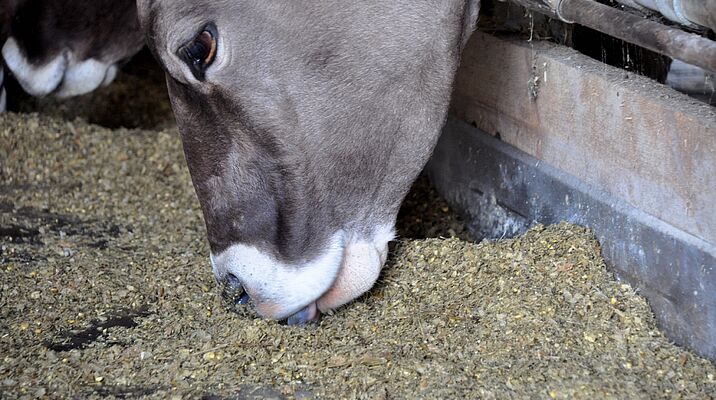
84,77
277,289
63,76
37,81
346,269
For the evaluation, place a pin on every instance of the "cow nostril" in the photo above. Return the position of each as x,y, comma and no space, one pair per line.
233,290
308,315
243,299
233,283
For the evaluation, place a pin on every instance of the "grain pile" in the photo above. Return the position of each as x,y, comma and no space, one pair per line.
106,291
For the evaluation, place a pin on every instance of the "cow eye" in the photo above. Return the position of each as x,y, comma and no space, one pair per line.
199,53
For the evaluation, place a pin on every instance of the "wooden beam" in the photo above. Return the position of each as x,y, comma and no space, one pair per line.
618,132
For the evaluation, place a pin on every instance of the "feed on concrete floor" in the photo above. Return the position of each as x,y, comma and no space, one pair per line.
106,290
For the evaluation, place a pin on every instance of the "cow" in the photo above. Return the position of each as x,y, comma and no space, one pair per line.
303,125
66,48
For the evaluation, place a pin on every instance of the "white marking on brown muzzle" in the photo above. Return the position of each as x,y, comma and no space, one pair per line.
35,80
63,76
277,289
84,77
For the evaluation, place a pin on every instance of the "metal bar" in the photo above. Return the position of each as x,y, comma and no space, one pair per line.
671,42
687,12
651,35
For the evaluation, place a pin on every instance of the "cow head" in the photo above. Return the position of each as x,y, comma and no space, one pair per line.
68,47
304,124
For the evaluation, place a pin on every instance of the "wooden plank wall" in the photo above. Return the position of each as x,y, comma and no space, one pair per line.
616,131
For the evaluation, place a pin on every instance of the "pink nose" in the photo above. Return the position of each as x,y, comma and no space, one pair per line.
234,292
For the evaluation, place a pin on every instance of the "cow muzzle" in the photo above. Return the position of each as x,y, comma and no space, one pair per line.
62,76
297,292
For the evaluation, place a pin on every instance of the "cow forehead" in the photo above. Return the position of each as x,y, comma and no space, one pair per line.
169,23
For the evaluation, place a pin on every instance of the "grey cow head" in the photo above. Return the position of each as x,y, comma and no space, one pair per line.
67,47
304,124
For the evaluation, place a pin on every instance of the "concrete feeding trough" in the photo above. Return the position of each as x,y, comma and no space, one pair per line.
541,133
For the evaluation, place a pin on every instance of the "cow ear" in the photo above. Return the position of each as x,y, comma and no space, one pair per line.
199,53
